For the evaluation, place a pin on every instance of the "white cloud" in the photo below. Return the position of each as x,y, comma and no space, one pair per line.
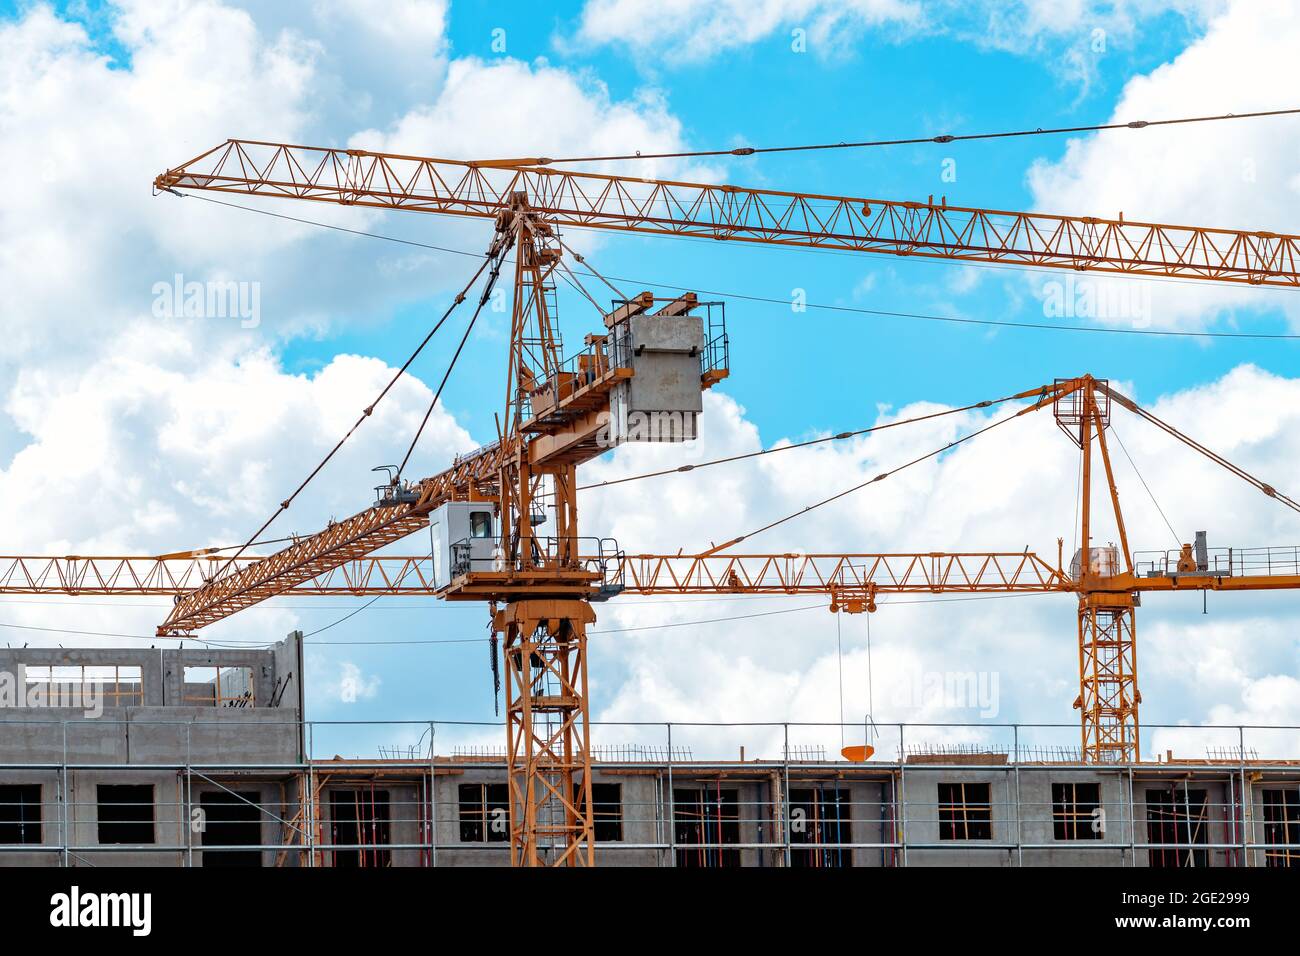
159,448
162,446
1071,37
1259,705
372,59
1240,174
68,241
122,432
83,247
486,104
1242,669
688,30
1012,488
1274,699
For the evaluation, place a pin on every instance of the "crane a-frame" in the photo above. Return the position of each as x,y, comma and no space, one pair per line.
557,414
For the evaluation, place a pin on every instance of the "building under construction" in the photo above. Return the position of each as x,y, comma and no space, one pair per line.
504,532
201,757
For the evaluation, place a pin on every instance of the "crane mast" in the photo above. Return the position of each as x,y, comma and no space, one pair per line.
542,621
558,413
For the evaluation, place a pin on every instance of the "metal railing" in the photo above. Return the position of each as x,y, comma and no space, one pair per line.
602,556
716,355
577,371
613,350
780,802
1224,562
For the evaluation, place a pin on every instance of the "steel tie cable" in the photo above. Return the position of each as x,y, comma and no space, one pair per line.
366,413
942,138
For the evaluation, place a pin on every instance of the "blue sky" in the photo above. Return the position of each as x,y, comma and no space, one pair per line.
766,94
794,374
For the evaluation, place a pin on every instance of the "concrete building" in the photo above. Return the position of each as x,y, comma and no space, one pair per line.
96,743
201,757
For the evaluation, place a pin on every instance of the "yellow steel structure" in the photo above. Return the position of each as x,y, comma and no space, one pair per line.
356,177
542,591
846,577
545,640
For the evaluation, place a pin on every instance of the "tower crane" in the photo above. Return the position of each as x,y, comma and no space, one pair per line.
658,355
1108,581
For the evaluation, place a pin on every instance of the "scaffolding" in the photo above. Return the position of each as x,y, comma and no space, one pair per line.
955,803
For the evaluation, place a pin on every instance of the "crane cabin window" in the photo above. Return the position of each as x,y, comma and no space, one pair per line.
480,524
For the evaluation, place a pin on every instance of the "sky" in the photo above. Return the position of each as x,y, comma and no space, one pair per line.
125,429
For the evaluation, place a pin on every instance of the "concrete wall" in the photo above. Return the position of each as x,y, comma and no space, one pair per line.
70,751
162,729
644,812
151,735
1126,818
258,750
872,816
76,814
163,669
1032,825
645,818
642,797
